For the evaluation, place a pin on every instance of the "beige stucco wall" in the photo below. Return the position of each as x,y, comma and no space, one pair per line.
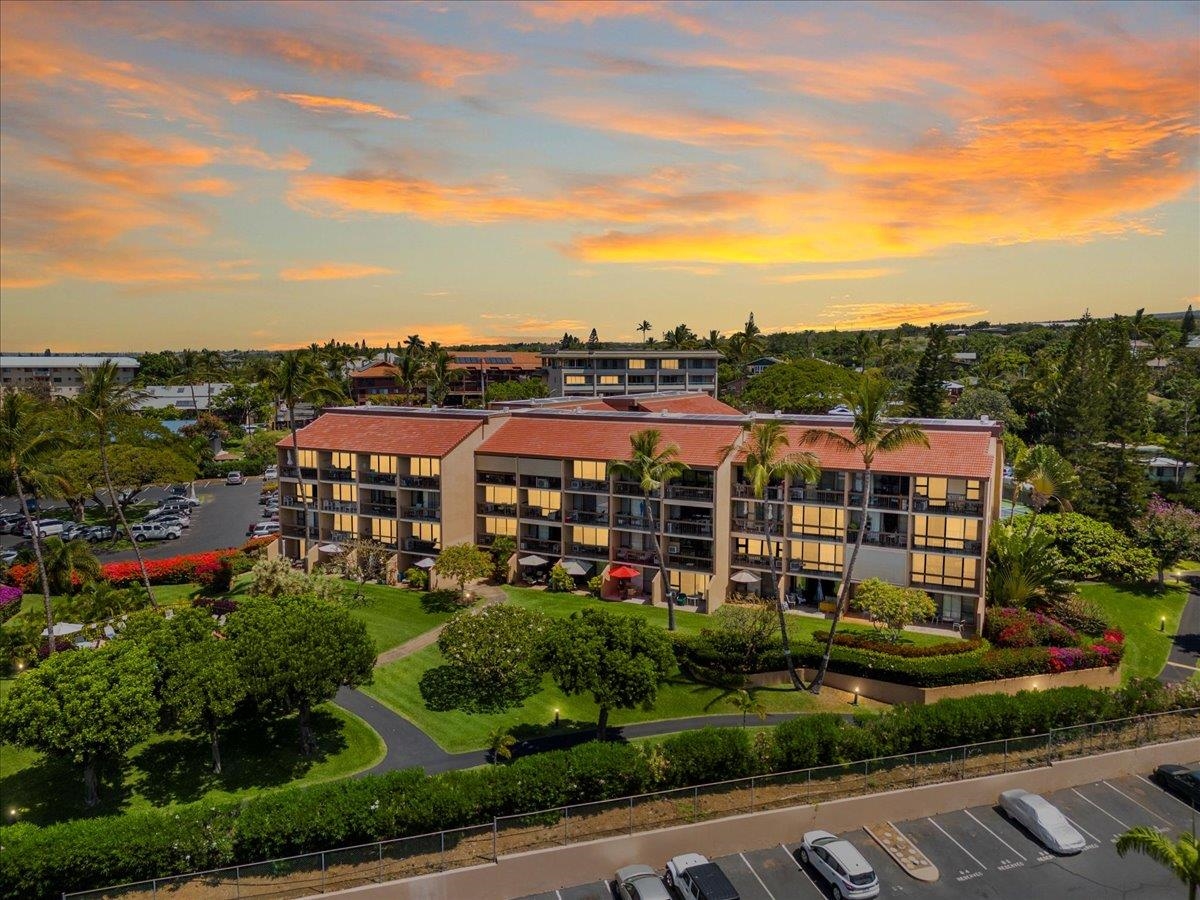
876,562
458,491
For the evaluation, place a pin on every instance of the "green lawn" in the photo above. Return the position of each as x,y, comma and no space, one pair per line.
393,616
174,768
1138,612
562,605
803,628
397,686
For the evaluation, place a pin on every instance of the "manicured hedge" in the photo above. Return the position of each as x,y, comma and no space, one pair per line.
172,570
909,651
92,853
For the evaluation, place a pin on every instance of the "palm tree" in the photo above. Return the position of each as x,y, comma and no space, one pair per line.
27,437
410,371
864,343
296,378
681,337
191,369
500,744
415,344
714,341
100,601
1049,476
1023,567
768,463
65,559
870,433
651,466
644,328
104,402
747,703
1182,857
439,377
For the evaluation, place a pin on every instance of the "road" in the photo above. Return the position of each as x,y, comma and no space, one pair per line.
1184,659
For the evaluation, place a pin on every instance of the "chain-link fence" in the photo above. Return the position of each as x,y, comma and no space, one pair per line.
347,867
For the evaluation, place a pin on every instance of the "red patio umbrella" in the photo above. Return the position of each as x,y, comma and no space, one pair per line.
623,572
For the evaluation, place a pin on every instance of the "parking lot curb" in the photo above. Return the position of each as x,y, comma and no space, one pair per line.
906,854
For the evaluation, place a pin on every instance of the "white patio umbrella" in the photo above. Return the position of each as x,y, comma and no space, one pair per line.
573,567
330,548
62,629
744,577
532,560
425,563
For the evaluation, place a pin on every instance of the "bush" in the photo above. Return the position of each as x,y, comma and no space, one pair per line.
418,579
1078,613
1009,626
595,585
707,754
909,651
560,580
808,741
1095,550
10,601
172,570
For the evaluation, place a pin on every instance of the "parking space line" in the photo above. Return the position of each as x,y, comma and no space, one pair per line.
803,871
956,843
1159,790
1081,828
1099,807
1135,803
996,836
756,876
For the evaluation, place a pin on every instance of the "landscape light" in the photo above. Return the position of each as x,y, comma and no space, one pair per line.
1162,624
856,696
556,717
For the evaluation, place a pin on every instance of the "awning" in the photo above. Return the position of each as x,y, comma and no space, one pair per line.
532,561
330,548
425,563
574,567
623,572
744,577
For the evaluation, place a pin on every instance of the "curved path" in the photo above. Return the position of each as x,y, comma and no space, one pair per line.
1184,660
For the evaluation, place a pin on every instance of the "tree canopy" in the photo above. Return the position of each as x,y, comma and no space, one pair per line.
799,386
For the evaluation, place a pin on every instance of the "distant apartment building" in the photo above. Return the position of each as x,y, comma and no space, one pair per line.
61,375
475,370
418,480
595,373
184,397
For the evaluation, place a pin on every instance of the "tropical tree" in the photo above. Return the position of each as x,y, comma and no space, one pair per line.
294,379
462,563
104,403
65,560
1181,856
196,367
644,328
1049,476
1170,531
1023,566
500,744
410,372
202,689
439,376
893,608
871,432
748,704
768,463
651,466
714,341
28,437
494,656
414,344
681,337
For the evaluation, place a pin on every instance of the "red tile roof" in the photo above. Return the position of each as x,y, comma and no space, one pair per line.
417,435
963,454
599,438
701,404
379,370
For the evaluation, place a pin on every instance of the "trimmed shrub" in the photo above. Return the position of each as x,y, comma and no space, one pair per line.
809,741
908,651
1095,550
708,754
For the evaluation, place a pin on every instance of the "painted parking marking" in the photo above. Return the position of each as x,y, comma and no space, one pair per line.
1136,803
1099,807
963,874
1161,792
756,876
1005,864
803,871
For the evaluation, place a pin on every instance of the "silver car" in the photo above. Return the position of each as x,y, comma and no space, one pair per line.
1043,820
640,883
838,861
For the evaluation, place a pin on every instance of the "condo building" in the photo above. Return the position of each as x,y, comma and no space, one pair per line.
596,373
418,480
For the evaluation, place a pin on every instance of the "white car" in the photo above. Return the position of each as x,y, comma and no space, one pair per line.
235,478
838,861
175,515
262,529
270,473
695,878
154,531
44,527
640,882
1043,820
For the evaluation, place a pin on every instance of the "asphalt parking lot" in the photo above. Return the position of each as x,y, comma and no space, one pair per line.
981,854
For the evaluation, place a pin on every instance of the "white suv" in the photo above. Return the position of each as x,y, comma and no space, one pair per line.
838,861
44,527
155,531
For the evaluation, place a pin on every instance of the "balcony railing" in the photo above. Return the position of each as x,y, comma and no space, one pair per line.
592,550
536,544
965,587
292,531
486,539
800,566
308,474
337,474
886,501
835,535
289,472
387,479
419,481
544,515
342,536
379,509
339,506
627,488
588,516
497,478
424,513
755,526
629,554
701,528
817,495
892,539
626,521
741,489
584,484
497,509
951,506
687,492
292,503
972,548
684,561
754,561
541,482
416,545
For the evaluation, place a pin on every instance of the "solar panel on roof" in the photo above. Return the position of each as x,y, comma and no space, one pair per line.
499,360
467,360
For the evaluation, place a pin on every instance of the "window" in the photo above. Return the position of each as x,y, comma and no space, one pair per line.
952,571
819,521
345,522
384,530
575,379
610,379
939,489
637,364
500,526
306,489
425,466
590,471
689,582
384,464
345,492
343,460
753,547
499,493
668,364
307,459
427,531
544,499
936,531
593,537
818,557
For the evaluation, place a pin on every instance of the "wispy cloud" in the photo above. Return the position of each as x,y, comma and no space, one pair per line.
830,275
332,271
885,315
318,103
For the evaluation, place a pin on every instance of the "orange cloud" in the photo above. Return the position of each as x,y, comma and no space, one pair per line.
566,12
857,316
830,275
332,272
685,126
316,103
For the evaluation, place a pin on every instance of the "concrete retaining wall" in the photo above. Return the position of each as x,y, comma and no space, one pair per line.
890,692
550,869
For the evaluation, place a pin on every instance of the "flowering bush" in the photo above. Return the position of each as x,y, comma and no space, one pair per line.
1009,626
1063,659
198,567
10,601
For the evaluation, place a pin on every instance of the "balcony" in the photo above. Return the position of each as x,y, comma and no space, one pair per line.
339,506
337,474
386,479
641,523
824,496
629,554
895,540
416,545
291,503
486,539
755,526
753,561
541,482
289,472
588,516
627,488
379,509
589,550
540,546
895,502
342,536
541,514
699,527
803,567
741,489
292,531
694,563
970,548
507,478
588,486
308,474
497,509
958,506
390,542
422,482
688,492
422,513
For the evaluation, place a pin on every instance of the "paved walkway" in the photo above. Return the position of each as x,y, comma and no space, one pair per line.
1184,659
490,593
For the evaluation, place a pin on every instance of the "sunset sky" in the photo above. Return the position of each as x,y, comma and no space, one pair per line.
242,175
